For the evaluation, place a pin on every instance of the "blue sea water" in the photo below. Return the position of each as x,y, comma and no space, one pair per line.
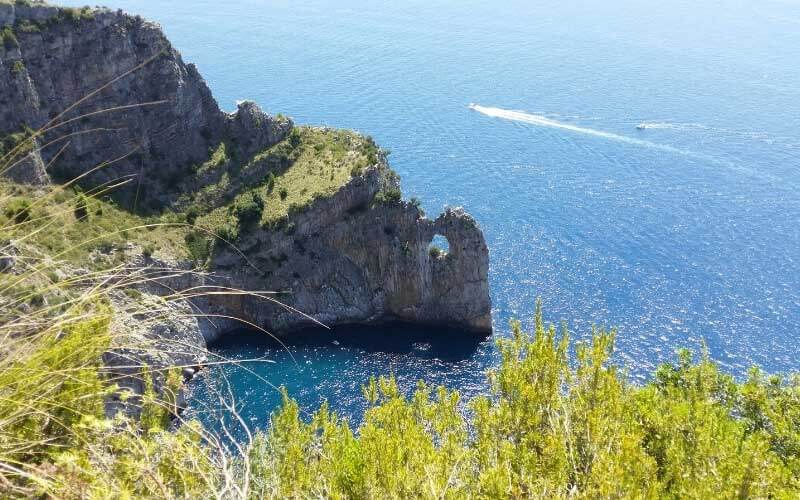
683,232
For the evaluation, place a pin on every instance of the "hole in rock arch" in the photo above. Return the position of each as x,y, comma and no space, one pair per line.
439,246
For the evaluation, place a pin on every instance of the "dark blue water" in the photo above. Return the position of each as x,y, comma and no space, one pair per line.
683,231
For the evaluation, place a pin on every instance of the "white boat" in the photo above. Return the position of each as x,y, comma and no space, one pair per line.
641,126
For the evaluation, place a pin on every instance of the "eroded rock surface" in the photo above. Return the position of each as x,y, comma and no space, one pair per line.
145,110
347,259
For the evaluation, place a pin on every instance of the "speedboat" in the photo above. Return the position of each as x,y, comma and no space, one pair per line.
641,126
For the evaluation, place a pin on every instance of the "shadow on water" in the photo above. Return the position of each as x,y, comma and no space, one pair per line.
433,342
318,365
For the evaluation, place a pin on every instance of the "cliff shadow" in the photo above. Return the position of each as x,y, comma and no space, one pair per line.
427,342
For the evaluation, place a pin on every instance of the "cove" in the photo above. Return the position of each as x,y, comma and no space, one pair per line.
317,365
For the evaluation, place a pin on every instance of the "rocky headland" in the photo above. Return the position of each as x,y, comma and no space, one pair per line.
284,226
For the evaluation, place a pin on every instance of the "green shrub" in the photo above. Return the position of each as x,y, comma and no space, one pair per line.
27,26
294,138
81,207
416,203
192,214
18,142
551,427
248,208
17,68
435,252
270,182
10,41
18,210
76,15
198,246
105,246
390,195
283,193
36,299
226,234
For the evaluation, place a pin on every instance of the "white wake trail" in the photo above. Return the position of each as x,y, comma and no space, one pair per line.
519,116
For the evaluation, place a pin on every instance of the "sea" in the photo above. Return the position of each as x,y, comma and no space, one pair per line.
635,165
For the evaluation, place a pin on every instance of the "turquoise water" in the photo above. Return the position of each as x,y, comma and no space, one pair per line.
683,231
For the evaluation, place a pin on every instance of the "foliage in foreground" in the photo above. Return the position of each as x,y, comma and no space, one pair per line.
549,428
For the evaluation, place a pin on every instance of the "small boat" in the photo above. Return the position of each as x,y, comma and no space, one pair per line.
641,126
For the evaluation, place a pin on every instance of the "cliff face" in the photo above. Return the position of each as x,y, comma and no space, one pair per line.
347,259
344,258
168,120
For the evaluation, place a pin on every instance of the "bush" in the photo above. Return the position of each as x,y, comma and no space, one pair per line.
283,192
17,68
435,252
10,41
192,214
270,182
198,246
414,201
147,251
226,234
294,138
76,15
27,26
18,141
551,427
81,207
18,210
248,208
388,196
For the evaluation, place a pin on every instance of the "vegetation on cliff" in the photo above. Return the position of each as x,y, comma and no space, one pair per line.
71,227
551,427
310,163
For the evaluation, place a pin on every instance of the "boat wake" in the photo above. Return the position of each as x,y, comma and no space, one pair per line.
718,131
519,116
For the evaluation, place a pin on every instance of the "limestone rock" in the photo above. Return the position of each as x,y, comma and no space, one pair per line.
26,169
254,130
150,336
346,260
113,87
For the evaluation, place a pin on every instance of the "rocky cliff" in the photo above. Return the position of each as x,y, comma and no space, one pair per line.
354,254
112,87
347,259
